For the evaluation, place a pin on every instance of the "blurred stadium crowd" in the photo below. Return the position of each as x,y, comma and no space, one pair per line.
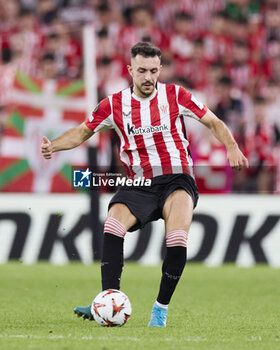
226,52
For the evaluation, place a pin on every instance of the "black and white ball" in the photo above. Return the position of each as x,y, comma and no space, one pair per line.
111,308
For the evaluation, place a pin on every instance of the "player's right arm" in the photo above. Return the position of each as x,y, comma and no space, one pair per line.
101,118
68,140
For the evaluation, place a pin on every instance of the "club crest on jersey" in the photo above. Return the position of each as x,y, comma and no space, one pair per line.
150,129
163,108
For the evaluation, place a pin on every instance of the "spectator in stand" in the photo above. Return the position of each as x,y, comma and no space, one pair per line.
105,45
49,69
274,69
109,20
217,43
106,48
272,45
165,12
33,36
141,28
110,80
7,73
257,39
272,23
46,11
21,57
77,12
229,107
9,19
272,49
195,69
128,4
168,72
202,12
238,29
243,72
53,46
258,149
212,173
9,11
214,73
272,95
181,39
67,48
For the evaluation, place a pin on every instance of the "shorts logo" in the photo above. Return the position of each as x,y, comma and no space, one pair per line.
150,129
81,178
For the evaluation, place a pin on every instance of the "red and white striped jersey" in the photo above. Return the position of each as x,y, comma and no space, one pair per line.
151,130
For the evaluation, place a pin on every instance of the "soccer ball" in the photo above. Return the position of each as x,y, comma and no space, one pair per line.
111,308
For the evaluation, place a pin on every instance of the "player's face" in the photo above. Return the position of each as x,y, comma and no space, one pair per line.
145,72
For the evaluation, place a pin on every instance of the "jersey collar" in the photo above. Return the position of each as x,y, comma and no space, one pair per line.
143,99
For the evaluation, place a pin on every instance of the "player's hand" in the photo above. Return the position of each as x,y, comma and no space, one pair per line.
46,148
236,158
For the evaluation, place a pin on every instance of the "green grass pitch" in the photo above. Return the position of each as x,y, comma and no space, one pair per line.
213,308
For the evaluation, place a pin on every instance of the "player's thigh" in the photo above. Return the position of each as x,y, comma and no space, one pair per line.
178,211
120,212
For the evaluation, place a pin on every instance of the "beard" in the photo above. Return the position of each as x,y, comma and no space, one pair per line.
144,93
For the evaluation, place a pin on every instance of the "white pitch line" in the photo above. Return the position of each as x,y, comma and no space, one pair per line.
53,336
189,339
169,339
33,336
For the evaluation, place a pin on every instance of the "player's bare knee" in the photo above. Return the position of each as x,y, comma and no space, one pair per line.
177,225
121,212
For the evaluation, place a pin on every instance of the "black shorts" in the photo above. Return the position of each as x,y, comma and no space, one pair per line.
146,203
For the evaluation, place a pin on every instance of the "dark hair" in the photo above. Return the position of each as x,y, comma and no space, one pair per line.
145,49
225,81
103,33
272,82
48,56
198,41
53,36
103,8
141,8
259,100
242,20
7,55
216,64
26,12
240,44
221,14
184,16
105,61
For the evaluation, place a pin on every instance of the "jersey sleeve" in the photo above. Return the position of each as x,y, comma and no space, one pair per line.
189,106
101,117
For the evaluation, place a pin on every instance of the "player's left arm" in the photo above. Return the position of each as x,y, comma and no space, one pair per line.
235,157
